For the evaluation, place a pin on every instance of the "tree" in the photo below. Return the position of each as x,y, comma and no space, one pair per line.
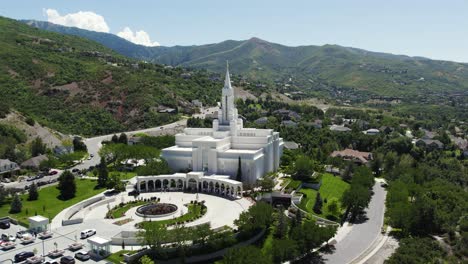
115,183
266,183
78,145
356,199
258,216
146,260
3,195
348,172
123,138
115,139
333,206
154,167
284,249
67,185
282,227
244,254
103,177
153,236
417,250
33,194
239,171
303,168
16,204
37,147
318,204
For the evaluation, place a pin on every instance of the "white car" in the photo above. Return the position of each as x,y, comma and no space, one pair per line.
87,233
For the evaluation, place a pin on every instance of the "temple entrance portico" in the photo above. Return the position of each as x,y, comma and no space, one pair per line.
192,181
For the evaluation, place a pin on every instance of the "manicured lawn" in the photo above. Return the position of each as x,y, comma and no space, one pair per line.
194,211
120,211
293,184
48,204
117,257
332,187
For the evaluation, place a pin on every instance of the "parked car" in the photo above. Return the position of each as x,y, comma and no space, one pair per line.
39,176
23,256
91,155
82,255
75,170
54,172
67,260
30,178
7,237
23,233
4,224
87,233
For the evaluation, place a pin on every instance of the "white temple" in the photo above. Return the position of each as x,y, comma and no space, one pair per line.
217,150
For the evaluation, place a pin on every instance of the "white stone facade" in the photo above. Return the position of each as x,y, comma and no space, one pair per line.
217,150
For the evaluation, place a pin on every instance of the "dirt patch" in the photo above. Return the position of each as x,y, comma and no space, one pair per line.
241,93
35,61
108,79
73,88
49,137
13,73
37,83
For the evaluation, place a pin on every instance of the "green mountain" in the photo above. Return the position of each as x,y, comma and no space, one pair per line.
328,69
75,85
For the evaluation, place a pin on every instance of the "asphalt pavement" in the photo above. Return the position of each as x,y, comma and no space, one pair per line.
361,235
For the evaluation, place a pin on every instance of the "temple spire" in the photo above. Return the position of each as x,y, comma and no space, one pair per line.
227,80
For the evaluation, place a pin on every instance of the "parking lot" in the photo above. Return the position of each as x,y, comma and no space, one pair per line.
42,247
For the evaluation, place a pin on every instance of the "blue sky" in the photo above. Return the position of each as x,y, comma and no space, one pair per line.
434,29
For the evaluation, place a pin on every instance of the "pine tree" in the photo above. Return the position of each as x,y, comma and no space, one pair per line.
115,139
16,204
33,194
67,185
103,177
123,138
239,171
318,204
3,195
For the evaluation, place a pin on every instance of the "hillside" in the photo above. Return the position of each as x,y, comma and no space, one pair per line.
328,70
75,85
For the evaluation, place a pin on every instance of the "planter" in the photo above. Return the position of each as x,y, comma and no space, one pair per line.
75,246
56,253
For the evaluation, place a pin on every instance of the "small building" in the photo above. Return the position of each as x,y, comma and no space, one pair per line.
261,121
338,128
167,110
288,123
353,155
8,166
34,162
372,131
38,223
62,150
197,103
291,145
100,247
428,134
134,141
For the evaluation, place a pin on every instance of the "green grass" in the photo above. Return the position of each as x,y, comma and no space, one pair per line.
332,188
48,204
117,257
293,184
194,211
120,211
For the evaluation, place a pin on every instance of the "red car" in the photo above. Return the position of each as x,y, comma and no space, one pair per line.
53,172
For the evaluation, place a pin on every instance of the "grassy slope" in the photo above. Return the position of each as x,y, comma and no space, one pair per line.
332,187
48,198
99,98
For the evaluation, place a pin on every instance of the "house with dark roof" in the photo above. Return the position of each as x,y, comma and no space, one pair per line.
288,123
338,128
291,145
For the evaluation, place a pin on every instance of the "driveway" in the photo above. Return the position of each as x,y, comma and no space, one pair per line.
353,240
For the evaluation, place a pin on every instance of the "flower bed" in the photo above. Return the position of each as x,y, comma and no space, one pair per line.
123,221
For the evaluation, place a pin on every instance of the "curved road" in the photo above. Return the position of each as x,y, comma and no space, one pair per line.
94,144
359,237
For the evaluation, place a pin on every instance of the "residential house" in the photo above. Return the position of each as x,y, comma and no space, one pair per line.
291,145
358,157
371,131
338,128
261,121
61,150
8,166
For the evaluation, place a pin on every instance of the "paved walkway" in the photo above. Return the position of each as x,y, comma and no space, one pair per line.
355,239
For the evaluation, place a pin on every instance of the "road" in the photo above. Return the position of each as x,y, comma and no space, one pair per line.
359,237
94,144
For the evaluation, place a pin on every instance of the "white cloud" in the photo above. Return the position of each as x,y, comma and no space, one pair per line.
82,19
139,37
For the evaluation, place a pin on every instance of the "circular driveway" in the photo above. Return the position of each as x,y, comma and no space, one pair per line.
220,212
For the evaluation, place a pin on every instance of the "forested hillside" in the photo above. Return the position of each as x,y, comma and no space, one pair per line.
75,85
328,70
